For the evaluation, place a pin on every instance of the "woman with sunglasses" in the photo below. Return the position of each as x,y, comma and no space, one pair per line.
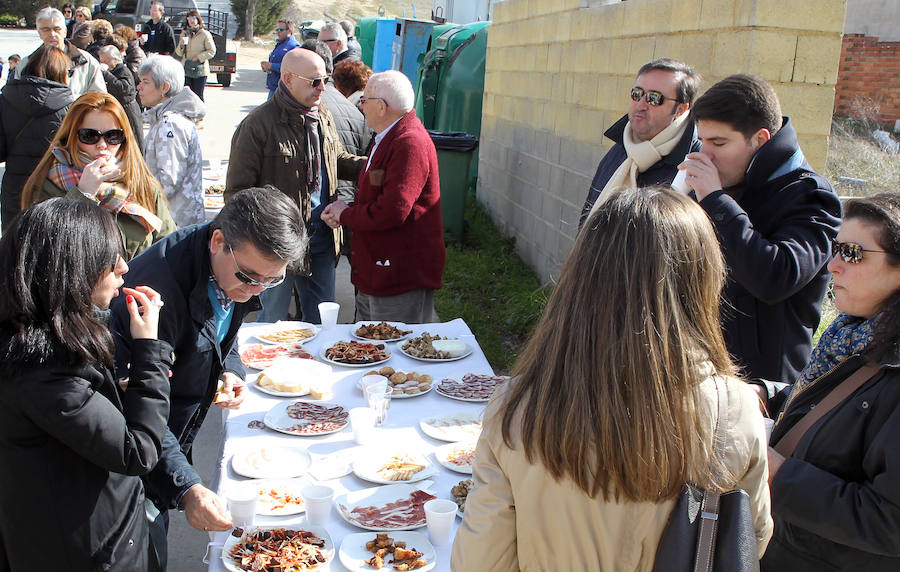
195,47
72,440
836,498
94,157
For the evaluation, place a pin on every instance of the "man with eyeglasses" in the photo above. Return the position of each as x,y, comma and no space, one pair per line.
653,137
85,74
285,43
775,218
291,142
334,36
208,276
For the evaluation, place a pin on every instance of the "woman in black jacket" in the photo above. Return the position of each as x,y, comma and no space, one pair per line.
31,110
836,499
72,440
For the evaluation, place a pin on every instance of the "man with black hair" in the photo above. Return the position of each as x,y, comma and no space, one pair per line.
653,137
775,218
209,277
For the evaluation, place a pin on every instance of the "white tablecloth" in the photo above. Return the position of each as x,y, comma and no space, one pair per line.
401,427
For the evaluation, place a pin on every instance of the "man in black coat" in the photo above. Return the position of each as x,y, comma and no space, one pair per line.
157,36
653,138
335,38
120,84
209,276
775,218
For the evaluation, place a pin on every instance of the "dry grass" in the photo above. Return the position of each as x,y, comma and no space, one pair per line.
857,156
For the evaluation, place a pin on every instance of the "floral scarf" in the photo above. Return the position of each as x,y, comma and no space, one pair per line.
65,173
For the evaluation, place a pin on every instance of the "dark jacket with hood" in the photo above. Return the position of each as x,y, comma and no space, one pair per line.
178,267
71,446
775,232
31,110
662,172
120,84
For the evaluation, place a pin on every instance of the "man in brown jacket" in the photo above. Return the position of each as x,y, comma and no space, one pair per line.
291,142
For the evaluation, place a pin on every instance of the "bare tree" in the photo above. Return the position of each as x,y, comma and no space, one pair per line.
248,19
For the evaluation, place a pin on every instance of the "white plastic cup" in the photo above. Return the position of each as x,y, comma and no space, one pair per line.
770,424
439,516
680,182
370,380
185,40
317,500
362,421
242,505
378,397
328,314
137,27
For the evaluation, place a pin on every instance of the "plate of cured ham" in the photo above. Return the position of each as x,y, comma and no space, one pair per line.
391,507
306,419
260,356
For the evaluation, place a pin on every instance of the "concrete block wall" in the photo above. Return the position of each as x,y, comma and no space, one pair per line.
869,77
558,74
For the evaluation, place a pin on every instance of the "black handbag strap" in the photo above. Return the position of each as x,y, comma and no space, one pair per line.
709,509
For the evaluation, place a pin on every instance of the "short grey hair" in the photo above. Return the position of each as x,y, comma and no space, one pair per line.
158,3
51,14
394,88
162,69
111,51
339,32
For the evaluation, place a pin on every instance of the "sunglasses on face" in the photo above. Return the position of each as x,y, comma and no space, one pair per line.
851,252
363,99
654,97
92,136
279,30
242,276
313,82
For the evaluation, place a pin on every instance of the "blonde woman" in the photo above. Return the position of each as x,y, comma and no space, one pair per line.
95,157
614,401
195,47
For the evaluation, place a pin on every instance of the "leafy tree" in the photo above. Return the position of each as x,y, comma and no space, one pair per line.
264,14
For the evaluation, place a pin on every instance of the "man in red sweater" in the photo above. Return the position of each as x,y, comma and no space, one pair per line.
398,259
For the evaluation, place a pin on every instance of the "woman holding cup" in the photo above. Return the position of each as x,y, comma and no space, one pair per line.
614,402
195,47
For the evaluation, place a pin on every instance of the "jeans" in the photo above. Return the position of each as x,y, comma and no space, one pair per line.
313,289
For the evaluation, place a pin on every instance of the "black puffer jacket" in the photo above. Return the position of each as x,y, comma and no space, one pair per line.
836,501
352,130
120,84
31,110
71,447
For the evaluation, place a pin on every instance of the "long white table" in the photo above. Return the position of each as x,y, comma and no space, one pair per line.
402,427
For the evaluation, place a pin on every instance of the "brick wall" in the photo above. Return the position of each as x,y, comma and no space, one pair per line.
869,77
558,74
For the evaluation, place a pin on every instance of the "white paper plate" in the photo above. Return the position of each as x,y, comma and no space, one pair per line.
398,395
271,462
367,467
268,506
443,453
283,326
398,325
327,550
353,553
440,427
278,419
458,377
337,363
277,393
377,497
466,353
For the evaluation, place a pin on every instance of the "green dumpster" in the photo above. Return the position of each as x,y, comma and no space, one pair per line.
454,152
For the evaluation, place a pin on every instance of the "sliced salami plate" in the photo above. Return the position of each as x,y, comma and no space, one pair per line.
306,419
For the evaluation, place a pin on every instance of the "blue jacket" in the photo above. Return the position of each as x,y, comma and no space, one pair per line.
775,233
178,267
275,58
661,173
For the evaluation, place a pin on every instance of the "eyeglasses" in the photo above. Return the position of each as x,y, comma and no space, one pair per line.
330,40
313,82
242,276
92,136
279,30
850,251
654,97
363,99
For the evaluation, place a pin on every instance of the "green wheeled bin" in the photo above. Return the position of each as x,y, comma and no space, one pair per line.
454,151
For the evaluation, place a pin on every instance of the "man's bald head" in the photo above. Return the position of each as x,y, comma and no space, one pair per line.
300,69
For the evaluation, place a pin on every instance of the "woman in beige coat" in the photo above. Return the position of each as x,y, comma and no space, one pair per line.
195,48
613,403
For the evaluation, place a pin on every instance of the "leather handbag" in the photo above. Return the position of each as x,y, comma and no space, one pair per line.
709,531
192,68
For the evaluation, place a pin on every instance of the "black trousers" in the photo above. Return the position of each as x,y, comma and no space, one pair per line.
197,85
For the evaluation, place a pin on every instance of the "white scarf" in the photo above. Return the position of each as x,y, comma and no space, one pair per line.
641,156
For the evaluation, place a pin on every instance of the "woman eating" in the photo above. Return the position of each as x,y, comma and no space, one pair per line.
94,157
836,498
72,442
613,404
195,47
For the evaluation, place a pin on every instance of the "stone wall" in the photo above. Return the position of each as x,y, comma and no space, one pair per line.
558,74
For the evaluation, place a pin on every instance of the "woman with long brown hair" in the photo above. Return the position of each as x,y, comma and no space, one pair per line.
614,401
195,48
95,157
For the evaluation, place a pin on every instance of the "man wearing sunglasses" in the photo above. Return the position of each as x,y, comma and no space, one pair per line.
285,43
334,36
291,142
208,276
653,137
775,218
